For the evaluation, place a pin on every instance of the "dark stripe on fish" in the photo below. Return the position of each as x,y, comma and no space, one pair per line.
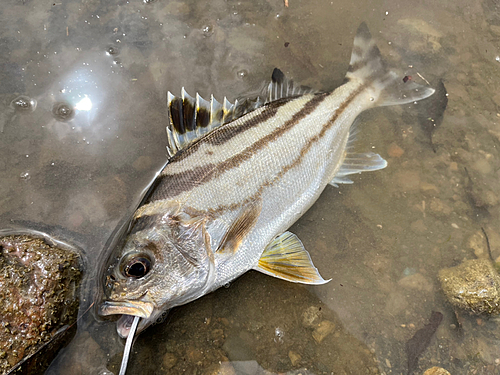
171,185
315,139
230,132
298,160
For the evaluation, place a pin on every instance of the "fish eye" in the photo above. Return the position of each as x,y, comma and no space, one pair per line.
137,267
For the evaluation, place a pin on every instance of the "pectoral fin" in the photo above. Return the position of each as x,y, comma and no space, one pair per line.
286,258
240,227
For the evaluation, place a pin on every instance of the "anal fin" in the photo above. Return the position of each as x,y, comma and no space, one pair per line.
286,258
357,163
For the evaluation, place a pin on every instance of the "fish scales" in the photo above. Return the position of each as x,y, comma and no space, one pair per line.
224,201
276,154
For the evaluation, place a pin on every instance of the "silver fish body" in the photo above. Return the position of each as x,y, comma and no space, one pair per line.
224,201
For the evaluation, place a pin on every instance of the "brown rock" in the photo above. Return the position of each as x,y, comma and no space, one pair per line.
417,281
169,361
311,317
294,357
436,371
322,330
473,285
394,151
37,294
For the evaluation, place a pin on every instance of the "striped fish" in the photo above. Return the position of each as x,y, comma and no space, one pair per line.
240,174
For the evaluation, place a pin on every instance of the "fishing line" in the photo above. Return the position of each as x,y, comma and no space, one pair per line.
128,345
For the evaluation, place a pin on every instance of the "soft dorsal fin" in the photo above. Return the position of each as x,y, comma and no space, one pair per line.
286,258
281,87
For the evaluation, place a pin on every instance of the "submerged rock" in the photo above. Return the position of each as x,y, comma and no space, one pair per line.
38,283
473,285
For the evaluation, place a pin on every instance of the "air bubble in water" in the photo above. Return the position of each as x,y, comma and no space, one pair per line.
23,104
62,112
242,73
112,50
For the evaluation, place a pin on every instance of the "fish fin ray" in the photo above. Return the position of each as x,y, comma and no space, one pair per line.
281,87
368,66
190,118
286,258
240,227
357,163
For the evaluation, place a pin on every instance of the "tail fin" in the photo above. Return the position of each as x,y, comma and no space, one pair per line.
368,67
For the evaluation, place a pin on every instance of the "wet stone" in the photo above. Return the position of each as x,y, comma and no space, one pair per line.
294,357
477,242
311,317
38,283
169,361
394,151
436,371
416,281
322,330
473,286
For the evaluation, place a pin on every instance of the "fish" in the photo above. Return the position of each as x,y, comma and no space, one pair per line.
238,176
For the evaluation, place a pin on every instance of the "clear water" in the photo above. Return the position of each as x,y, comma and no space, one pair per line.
78,175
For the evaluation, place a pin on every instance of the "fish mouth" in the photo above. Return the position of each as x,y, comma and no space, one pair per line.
128,310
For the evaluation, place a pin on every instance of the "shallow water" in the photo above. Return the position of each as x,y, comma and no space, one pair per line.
76,164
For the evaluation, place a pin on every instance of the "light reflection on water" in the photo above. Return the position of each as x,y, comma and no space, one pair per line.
83,142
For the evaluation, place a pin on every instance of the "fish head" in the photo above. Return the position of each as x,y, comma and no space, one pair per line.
158,268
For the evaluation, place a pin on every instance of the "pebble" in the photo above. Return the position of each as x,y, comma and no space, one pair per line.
396,303
169,361
495,29
417,281
195,355
225,368
418,226
438,206
436,371
408,180
322,330
294,357
477,242
394,151
311,317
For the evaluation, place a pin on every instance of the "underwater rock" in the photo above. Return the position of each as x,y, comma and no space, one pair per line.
311,317
38,284
436,371
473,286
322,330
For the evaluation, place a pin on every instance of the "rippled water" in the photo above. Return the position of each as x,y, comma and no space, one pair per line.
82,115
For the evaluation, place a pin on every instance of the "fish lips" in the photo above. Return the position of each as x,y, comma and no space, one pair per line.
128,310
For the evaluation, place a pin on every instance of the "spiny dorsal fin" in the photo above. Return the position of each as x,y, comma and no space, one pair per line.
191,118
286,258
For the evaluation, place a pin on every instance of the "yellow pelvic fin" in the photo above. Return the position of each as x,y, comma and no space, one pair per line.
286,258
240,228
